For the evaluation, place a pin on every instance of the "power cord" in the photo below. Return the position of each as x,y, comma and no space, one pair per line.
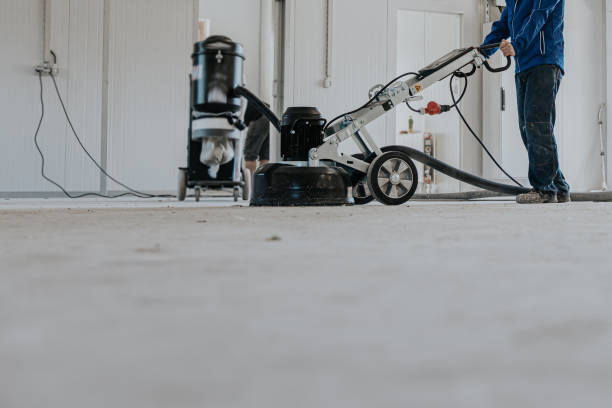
465,122
463,75
131,191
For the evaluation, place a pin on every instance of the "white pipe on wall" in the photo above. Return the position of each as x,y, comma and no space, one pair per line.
266,65
204,29
608,75
266,71
329,62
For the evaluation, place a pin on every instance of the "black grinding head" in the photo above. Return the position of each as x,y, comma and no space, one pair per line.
281,185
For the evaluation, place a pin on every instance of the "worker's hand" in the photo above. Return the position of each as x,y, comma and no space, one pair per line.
507,49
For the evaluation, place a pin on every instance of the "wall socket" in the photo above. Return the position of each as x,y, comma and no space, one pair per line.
46,68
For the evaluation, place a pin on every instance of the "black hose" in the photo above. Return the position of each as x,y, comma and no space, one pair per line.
259,105
602,197
457,173
465,196
597,197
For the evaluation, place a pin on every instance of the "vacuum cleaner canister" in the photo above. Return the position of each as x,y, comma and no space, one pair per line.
218,65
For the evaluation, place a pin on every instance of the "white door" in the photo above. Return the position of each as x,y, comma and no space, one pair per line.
422,37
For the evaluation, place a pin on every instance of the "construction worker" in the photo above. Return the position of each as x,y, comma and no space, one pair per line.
536,30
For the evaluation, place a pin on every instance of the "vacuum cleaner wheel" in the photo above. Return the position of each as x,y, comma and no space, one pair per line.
281,185
392,178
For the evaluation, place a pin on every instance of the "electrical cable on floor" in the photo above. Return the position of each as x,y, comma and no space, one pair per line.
131,191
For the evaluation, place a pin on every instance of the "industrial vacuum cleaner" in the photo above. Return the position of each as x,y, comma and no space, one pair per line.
214,141
313,172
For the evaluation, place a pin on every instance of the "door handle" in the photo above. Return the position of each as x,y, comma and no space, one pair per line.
503,99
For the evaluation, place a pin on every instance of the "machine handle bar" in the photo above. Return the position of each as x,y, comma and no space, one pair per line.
486,63
501,69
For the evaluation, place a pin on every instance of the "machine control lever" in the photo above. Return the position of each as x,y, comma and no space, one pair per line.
501,69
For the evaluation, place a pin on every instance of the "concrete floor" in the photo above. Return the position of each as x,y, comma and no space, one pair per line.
184,306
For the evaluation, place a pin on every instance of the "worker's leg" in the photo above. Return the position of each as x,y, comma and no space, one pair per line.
258,139
521,88
541,87
264,150
253,143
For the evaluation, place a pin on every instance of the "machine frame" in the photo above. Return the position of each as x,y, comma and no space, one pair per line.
398,93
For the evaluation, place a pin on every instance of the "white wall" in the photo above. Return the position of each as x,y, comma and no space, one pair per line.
359,61
78,44
582,92
149,46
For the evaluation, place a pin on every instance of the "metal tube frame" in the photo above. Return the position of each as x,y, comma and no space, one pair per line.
401,92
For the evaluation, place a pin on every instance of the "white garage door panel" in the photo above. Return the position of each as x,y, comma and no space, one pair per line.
21,44
78,43
148,109
84,92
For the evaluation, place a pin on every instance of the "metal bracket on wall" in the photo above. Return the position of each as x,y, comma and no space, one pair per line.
327,82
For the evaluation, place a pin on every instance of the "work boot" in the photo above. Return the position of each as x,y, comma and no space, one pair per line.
537,197
564,198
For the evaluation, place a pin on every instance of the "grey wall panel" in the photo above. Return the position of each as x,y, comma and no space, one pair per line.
359,57
77,41
150,43
84,92
21,45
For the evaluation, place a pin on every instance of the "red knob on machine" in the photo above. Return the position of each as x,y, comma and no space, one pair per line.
433,108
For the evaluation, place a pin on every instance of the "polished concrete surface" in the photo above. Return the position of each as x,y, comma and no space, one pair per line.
152,304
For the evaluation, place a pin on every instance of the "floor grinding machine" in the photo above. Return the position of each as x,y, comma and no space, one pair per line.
313,171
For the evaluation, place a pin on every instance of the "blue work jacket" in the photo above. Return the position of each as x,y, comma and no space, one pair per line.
536,29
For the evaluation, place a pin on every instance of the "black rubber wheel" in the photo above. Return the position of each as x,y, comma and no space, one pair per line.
361,191
393,178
